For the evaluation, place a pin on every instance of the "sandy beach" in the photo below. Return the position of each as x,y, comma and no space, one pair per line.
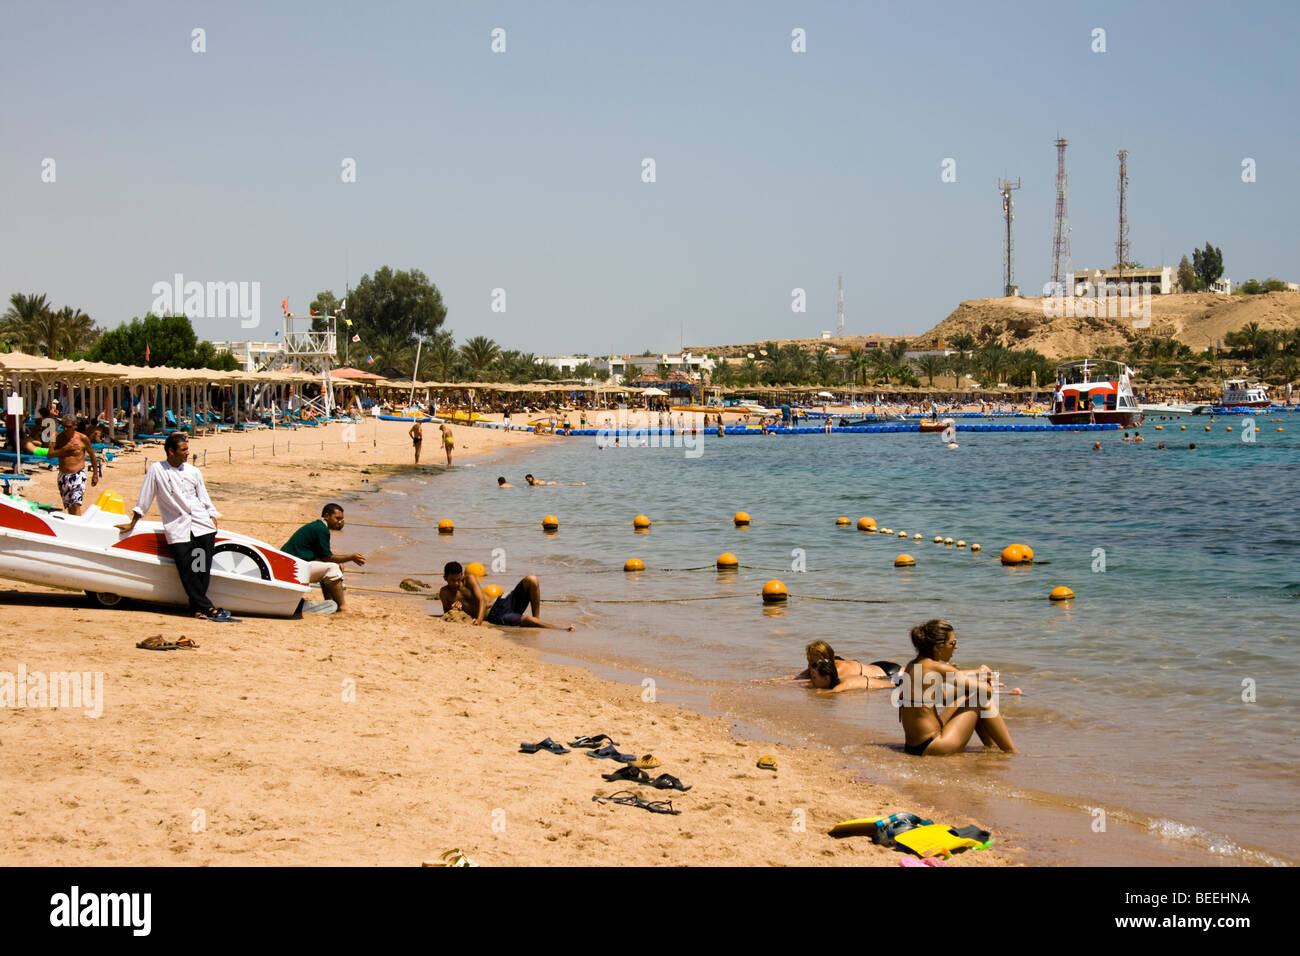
380,737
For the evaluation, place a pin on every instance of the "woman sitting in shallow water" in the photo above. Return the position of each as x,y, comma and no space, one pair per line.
930,676
829,672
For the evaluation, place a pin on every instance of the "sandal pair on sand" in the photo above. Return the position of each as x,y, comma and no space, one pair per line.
629,799
665,781
593,745
450,858
160,643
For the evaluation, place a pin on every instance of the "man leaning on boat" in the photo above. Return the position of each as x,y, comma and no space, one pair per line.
189,521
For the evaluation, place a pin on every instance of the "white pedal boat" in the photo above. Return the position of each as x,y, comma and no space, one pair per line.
86,552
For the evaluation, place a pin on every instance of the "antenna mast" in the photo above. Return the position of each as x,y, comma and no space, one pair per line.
1008,272
839,311
1121,245
1061,230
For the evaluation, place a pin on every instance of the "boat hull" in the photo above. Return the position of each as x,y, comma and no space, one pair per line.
1124,419
87,553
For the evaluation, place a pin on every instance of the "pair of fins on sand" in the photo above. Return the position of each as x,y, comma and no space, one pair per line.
925,838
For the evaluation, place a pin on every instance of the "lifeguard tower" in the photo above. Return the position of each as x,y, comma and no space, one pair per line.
312,351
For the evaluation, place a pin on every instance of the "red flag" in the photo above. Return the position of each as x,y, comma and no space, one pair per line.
284,305
146,353
356,338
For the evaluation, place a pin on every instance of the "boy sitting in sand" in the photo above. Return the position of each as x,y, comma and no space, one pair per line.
462,592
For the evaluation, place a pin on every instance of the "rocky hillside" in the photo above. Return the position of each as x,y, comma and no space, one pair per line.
1198,320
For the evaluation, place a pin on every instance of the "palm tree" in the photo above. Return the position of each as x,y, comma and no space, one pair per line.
963,343
24,311
825,369
930,366
479,352
995,359
958,365
33,325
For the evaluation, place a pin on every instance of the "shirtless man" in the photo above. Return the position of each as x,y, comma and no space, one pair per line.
502,483
417,438
72,449
462,592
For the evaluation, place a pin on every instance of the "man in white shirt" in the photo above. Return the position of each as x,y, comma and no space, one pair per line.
189,521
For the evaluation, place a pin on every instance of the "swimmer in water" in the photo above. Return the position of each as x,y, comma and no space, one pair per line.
502,483
938,733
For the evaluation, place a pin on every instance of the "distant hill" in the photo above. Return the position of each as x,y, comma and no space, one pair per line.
1197,320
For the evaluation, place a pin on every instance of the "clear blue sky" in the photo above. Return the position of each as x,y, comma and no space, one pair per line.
522,170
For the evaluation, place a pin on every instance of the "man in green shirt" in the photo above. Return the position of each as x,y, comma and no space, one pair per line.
311,543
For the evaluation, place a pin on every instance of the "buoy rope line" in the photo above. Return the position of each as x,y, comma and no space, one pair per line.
682,600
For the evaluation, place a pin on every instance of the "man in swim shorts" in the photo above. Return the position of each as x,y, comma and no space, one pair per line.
462,592
417,439
71,449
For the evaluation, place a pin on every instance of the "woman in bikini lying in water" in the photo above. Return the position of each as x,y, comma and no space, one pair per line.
931,677
829,672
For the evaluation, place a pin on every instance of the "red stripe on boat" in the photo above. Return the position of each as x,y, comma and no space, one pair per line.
18,519
147,542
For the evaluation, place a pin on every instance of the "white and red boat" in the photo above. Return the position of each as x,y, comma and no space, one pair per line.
86,552
1094,391
1238,394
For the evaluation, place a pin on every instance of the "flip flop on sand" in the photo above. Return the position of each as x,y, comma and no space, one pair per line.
630,773
766,763
591,743
648,762
928,861
666,781
157,643
219,615
612,754
450,858
629,799
548,744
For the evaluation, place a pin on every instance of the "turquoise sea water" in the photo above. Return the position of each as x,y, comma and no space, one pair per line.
1183,564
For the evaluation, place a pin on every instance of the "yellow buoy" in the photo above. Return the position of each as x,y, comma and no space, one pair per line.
1061,594
476,569
774,591
1279,428
550,523
1017,554
902,534
918,537
1229,428
948,542
728,562
493,591
842,522
1183,427
1160,428
938,539
446,526
633,564
975,547
866,524
741,519
904,561
640,521
961,543
1207,428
